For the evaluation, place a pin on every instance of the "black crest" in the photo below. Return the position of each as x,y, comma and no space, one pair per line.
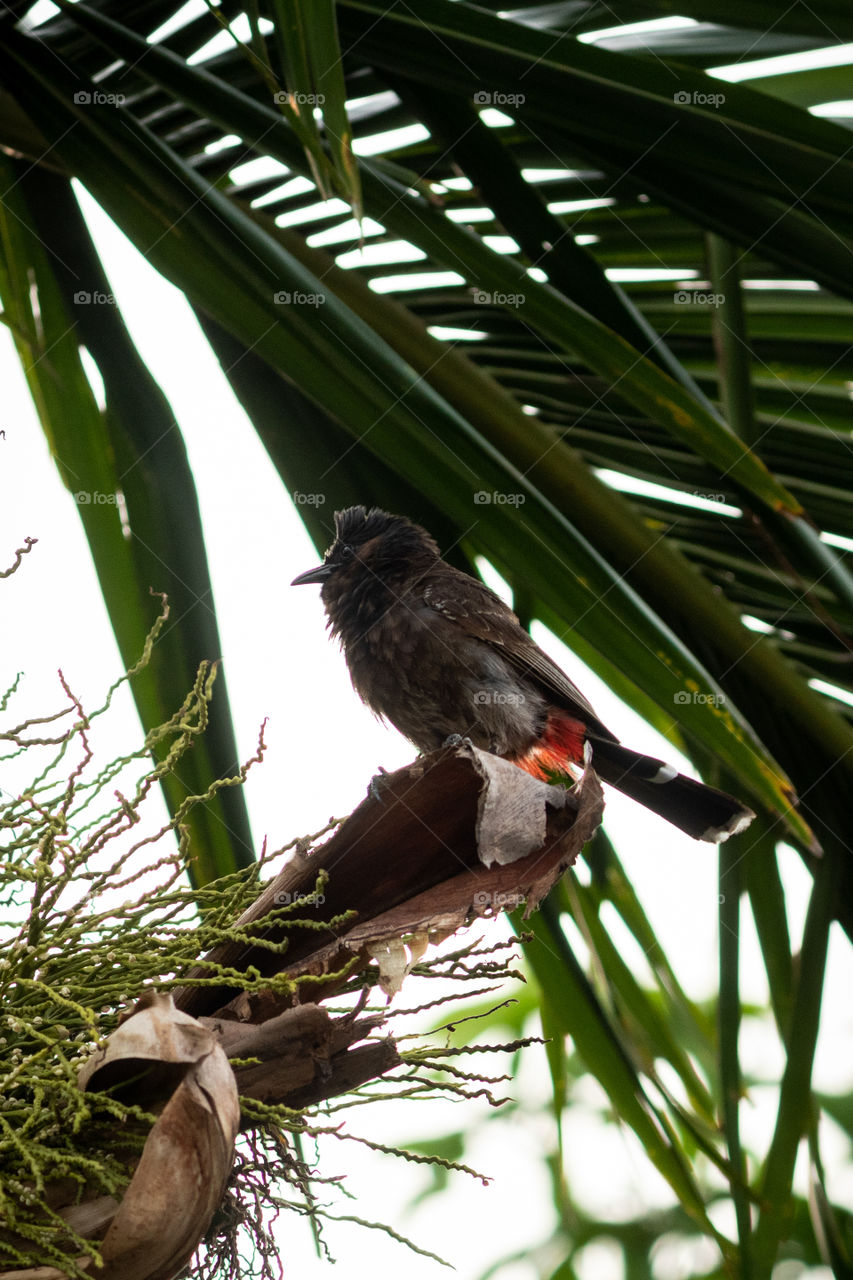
357,525
391,544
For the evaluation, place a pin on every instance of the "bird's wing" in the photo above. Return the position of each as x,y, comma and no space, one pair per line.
479,613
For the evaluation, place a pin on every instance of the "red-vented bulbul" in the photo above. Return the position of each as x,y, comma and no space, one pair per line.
437,653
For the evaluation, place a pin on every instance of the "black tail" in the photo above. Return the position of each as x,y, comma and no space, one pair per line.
703,812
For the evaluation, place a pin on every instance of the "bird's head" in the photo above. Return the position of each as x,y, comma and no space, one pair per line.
374,554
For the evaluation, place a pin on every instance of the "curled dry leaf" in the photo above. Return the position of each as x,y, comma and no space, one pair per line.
164,1061
181,1175
512,810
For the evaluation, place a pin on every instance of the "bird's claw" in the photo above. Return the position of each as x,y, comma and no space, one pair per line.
456,740
373,786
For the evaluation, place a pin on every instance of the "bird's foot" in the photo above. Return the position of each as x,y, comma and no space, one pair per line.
456,740
374,785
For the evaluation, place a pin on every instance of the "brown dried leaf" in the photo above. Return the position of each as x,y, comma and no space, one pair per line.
181,1176
411,865
304,1055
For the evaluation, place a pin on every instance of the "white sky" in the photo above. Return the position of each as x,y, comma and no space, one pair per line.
323,748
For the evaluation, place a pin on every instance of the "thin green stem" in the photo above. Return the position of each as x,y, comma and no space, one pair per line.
729,1027
728,327
795,1099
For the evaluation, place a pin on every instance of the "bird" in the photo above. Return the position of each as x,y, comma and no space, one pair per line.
436,653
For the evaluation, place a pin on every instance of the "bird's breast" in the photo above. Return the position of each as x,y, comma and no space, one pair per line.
430,679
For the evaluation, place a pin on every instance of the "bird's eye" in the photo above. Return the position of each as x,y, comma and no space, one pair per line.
346,551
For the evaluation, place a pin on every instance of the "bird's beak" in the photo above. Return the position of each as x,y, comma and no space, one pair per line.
320,574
